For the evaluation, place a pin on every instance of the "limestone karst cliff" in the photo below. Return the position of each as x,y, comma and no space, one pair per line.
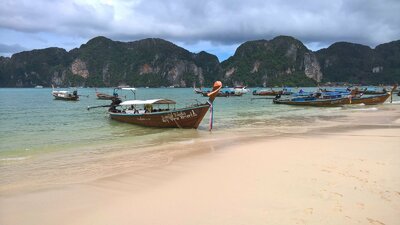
155,62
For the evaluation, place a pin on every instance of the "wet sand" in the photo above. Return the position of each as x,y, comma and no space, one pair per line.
347,174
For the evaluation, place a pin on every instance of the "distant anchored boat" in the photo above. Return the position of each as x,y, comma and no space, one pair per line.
65,95
161,112
239,90
272,92
104,96
225,92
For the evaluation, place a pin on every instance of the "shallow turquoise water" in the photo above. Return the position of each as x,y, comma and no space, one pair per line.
32,122
45,142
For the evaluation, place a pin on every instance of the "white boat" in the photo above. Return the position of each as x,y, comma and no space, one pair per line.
239,90
65,95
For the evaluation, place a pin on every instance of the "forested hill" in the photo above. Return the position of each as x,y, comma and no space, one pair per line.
103,62
357,63
155,62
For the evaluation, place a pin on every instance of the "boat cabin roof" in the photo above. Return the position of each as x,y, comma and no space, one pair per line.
145,102
129,89
61,92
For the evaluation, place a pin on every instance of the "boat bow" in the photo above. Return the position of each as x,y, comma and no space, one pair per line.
216,88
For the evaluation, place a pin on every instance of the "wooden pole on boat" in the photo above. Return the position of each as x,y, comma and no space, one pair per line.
391,97
391,93
98,106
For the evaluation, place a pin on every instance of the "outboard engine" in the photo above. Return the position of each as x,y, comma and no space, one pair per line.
115,102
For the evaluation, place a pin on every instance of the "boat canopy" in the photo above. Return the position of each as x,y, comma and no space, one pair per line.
61,92
145,102
129,89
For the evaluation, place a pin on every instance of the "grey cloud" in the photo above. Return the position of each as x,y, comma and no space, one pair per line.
62,16
9,49
224,22
369,22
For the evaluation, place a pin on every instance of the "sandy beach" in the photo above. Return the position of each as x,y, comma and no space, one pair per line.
327,176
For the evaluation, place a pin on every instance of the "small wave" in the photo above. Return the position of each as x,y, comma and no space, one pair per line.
13,159
394,102
334,109
366,109
259,122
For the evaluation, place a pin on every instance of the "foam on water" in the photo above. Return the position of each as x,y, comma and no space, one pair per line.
393,102
14,159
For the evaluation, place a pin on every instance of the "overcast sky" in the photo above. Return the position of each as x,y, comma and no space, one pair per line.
216,26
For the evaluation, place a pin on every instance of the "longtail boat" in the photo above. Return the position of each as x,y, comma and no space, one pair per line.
240,89
374,91
272,92
198,91
65,95
311,101
161,112
370,100
224,94
334,99
104,96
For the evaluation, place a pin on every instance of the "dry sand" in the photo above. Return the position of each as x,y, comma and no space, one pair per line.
330,178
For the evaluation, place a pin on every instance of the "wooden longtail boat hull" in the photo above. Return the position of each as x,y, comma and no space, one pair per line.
102,96
374,92
72,98
319,103
370,100
65,95
189,117
266,93
181,118
274,93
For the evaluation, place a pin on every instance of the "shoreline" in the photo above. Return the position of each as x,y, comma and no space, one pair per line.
152,156
345,174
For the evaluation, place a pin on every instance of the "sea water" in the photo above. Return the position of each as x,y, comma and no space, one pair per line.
33,122
40,134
